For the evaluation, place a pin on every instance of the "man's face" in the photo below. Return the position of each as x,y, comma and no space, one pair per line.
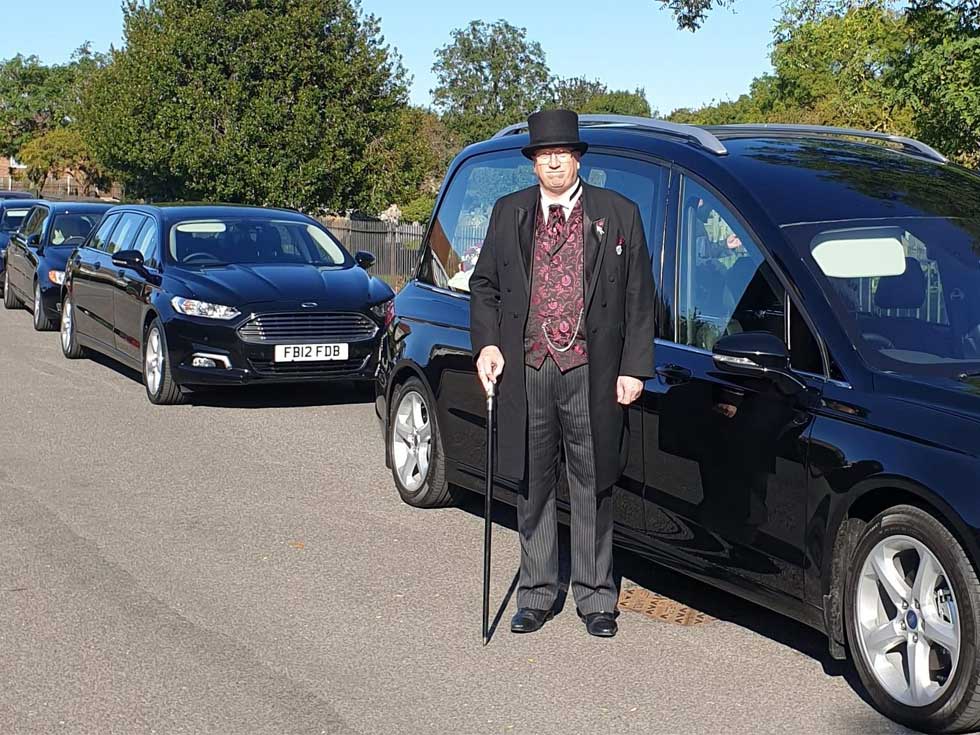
556,168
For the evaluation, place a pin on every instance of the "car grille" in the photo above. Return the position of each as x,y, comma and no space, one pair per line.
281,329
325,369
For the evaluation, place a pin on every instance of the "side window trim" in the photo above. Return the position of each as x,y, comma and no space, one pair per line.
110,219
682,174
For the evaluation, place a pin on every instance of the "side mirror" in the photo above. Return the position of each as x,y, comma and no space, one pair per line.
34,240
757,355
128,259
364,259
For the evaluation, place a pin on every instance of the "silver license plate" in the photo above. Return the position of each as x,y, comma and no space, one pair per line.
310,353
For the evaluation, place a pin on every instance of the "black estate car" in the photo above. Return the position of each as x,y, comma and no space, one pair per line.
37,253
196,295
12,214
812,438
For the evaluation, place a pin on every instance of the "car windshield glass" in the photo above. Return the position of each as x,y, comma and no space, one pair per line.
253,241
907,290
72,229
12,218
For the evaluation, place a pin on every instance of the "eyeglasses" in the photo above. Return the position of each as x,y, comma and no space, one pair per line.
562,156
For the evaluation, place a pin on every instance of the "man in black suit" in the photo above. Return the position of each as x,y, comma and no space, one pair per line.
562,321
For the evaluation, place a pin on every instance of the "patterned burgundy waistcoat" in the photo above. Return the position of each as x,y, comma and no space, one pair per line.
557,294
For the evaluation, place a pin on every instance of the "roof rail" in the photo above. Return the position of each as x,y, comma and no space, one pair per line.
910,145
699,136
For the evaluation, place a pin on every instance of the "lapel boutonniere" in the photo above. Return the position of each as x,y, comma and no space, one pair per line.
620,241
600,227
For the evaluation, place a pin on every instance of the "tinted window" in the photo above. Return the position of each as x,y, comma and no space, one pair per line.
12,219
124,236
148,243
253,240
72,229
34,223
101,236
461,222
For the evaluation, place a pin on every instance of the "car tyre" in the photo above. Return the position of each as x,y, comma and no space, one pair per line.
10,301
41,321
906,555
70,347
418,462
158,378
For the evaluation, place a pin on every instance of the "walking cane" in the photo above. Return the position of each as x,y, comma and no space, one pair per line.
486,517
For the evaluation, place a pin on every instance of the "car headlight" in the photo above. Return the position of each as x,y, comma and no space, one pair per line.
203,308
385,311
56,277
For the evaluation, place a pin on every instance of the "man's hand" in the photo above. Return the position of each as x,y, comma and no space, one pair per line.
628,389
489,366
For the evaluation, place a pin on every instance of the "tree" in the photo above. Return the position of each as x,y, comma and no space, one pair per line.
272,102
409,160
592,96
57,152
690,14
489,76
940,75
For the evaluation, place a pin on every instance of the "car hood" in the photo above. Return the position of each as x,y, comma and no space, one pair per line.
949,395
55,256
283,284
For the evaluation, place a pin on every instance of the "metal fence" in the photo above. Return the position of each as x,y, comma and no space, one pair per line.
395,247
66,187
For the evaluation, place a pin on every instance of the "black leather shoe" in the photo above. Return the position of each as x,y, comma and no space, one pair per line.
602,624
528,619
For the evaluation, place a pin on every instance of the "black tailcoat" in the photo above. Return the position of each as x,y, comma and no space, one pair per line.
619,317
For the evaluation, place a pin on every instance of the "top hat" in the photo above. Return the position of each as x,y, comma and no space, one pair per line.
553,129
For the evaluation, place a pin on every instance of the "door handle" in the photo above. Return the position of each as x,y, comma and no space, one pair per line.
673,372
97,266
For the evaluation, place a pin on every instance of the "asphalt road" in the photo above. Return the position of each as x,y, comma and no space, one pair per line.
243,564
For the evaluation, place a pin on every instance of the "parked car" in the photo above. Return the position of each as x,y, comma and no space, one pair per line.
811,439
37,252
12,213
10,194
199,295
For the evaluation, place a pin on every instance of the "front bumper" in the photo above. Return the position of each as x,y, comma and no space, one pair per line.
254,362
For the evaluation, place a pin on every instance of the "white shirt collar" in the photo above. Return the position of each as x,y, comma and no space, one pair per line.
566,200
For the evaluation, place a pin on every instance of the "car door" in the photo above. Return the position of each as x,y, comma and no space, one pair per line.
22,256
133,289
725,455
88,282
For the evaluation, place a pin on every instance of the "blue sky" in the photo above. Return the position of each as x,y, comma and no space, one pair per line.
625,43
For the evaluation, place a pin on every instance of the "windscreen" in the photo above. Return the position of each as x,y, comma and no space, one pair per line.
12,218
253,241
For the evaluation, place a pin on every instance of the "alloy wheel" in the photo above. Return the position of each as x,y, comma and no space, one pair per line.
153,362
66,325
411,440
907,621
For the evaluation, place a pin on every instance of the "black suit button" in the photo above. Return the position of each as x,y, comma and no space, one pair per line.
508,290
506,262
594,330
515,314
603,304
612,279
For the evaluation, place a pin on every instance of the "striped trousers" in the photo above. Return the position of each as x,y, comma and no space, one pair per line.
558,414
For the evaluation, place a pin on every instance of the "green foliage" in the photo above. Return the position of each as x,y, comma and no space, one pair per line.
35,98
419,209
940,76
489,76
409,160
60,151
690,14
272,102
587,96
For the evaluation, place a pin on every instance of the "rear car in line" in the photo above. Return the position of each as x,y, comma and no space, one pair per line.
210,295
12,214
35,258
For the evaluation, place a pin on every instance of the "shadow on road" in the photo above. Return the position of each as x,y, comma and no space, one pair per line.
288,395
685,590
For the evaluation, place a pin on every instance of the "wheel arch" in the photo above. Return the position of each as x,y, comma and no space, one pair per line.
864,503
